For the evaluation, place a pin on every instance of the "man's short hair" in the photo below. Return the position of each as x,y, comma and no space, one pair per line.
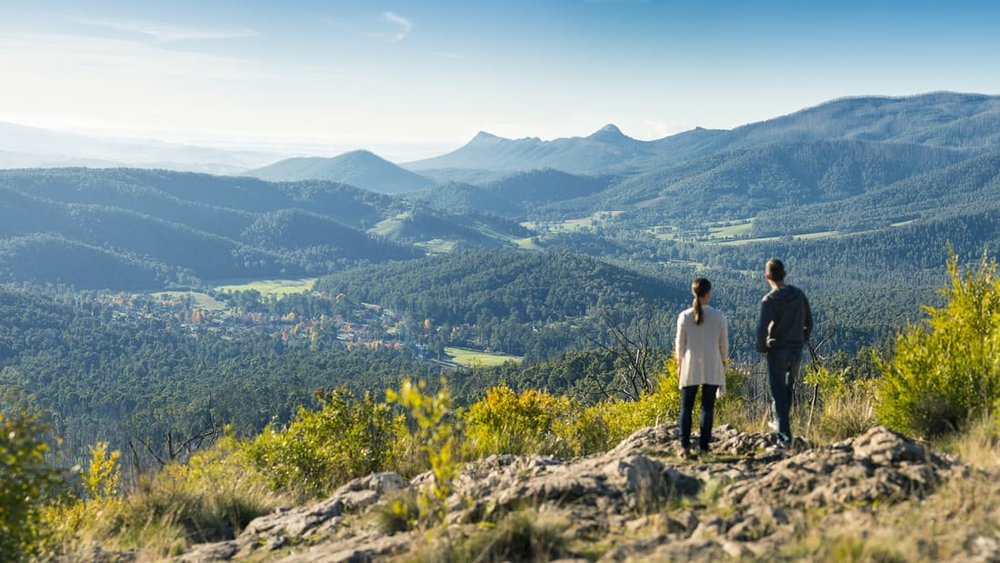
775,270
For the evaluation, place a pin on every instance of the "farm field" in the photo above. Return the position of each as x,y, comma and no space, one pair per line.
571,225
477,358
278,288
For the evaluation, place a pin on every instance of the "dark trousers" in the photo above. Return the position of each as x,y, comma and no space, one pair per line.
782,369
707,414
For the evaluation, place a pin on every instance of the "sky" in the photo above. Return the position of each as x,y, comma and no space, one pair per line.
417,78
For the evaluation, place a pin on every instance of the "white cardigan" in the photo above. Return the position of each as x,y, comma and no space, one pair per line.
704,348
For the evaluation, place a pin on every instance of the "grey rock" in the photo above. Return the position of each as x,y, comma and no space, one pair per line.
985,549
205,553
359,549
683,522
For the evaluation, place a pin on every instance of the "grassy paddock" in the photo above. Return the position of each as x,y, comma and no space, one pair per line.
437,246
731,229
278,288
478,358
571,225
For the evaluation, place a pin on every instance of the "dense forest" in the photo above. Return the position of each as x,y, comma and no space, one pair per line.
100,376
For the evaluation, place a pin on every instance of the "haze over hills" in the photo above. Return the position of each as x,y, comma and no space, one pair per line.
32,147
357,168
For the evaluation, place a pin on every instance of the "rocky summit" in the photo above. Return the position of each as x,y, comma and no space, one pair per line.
639,501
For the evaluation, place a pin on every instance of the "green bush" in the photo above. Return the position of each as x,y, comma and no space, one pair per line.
947,371
507,422
658,406
320,450
25,481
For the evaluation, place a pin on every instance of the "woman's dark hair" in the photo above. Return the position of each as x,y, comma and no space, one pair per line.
775,270
700,288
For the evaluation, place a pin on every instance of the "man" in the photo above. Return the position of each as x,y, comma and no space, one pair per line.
783,329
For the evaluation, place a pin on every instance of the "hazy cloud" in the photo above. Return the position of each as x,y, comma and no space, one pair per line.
168,33
405,26
57,58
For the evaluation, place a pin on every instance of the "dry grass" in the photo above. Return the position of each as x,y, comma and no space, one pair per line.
209,499
530,535
978,446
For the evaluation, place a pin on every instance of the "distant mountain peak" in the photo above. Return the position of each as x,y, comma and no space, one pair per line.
361,154
484,137
360,168
609,128
609,132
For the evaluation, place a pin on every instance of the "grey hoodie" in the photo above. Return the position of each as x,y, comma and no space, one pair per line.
785,319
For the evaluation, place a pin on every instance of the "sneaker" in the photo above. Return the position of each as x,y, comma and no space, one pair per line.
780,441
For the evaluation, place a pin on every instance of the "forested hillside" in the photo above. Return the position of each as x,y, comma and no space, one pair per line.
134,229
516,301
520,194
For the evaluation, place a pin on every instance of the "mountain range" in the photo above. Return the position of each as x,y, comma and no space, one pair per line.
856,165
943,119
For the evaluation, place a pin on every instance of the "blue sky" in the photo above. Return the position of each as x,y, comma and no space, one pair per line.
422,76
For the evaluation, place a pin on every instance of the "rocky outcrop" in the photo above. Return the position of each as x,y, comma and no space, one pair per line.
639,500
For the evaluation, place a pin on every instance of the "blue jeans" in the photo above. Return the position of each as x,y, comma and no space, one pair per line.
707,414
782,369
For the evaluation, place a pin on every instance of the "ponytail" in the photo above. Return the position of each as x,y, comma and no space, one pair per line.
699,288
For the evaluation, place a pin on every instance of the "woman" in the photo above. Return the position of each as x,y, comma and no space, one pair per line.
702,349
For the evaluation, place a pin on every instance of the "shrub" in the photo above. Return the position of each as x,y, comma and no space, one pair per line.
25,481
507,422
436,435
103,474
321,449
946,372
585,432
654,407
